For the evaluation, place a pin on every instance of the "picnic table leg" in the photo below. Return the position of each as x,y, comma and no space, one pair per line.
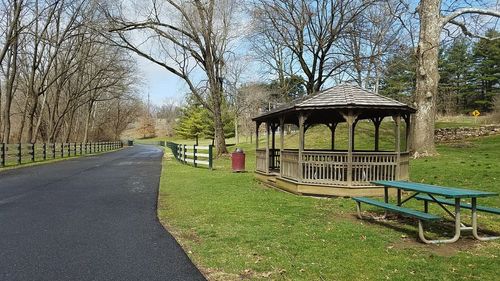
386,198
399,197
358,209
474,223
458,227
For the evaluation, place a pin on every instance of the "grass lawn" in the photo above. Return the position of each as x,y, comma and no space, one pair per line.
236,228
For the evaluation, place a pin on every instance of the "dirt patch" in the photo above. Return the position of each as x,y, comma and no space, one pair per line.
218,275
409,235
444,250
190,235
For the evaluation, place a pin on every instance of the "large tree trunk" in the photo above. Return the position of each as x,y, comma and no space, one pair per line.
236,132
427,76
220,140
87,123
34,133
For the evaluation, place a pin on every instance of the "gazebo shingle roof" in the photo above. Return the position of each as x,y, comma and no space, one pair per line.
343,96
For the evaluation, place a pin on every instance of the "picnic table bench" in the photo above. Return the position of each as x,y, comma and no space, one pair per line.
432,193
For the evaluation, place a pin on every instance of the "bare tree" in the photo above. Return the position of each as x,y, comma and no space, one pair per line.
187,39
9,53
54,62
370,39
310,30
432,22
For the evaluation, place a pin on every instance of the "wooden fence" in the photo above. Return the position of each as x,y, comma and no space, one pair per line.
20,153
192,154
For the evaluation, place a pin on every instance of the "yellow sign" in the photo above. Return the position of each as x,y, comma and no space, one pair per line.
476,113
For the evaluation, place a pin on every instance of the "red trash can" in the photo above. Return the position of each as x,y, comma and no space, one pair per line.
238,160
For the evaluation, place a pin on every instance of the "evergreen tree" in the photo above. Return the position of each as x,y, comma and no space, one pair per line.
398,81
487,71
456,73
194,123
227,119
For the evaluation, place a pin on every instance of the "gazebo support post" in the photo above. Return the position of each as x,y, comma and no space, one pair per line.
397,128
282,143
267,147
407,119
350,119
355,122
376,122
302,121
333,127
273,144
257,126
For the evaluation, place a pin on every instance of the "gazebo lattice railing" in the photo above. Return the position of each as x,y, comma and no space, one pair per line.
330,167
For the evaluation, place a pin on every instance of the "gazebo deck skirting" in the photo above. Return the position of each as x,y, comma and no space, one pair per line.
331,173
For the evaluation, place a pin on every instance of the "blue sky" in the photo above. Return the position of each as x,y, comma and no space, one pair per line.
161,84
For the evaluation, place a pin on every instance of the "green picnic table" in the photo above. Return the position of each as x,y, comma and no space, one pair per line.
431,194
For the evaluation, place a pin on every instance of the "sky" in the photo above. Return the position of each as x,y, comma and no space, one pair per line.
161,85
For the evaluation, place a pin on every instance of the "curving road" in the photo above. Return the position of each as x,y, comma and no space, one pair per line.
90,218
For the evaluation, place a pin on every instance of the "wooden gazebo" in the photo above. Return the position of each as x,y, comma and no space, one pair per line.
333,172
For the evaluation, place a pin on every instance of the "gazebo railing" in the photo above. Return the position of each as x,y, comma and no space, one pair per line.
367,167
290,164
331,167
274,158
404,166
321,167
261,161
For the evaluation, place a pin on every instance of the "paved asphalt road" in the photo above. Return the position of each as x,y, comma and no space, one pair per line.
90,218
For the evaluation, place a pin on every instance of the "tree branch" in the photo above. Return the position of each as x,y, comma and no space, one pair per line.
463,11
470,34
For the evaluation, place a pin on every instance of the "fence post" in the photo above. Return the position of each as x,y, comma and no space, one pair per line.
74,149
54,151
81,148
210,156
69,149
19,153
194,156
44,151
32,152
3,154
62,150
184,153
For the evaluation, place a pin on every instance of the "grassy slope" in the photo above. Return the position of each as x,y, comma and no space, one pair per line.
234,227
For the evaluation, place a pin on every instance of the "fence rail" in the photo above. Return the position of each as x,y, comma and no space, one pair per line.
192,154
22,153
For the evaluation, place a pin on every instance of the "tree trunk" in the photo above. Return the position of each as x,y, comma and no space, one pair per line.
427,76
87,123
236,133
220,141
39,121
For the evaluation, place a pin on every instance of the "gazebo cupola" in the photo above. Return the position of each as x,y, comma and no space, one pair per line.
336,172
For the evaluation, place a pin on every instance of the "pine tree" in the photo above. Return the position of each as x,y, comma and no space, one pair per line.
398,80
193,123
455,84
228,121
487,71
